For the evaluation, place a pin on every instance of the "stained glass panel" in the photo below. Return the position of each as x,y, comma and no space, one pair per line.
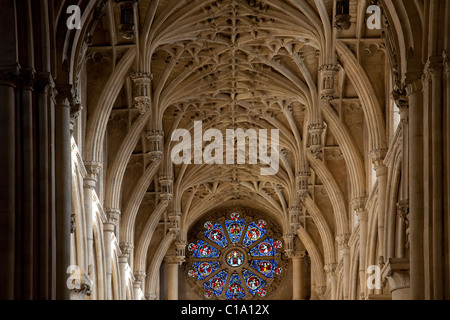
235,290
253,234
203,250
217,283
204,269
254,283
217,235
264,249
266,267
235,229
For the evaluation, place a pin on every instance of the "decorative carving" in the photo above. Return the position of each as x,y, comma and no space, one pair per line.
166,183
113,215
294,215
396,271
10,75
343,17
303,184
73,225
127,24
139,276
315,131
142,90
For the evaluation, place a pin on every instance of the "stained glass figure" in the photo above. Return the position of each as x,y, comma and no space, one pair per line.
209,294
235,216
192,273
204,269
216,283
204,250
235,258
264,249
235,229
253,234
254,283
192,246
216,235
262,293
265,267
235,290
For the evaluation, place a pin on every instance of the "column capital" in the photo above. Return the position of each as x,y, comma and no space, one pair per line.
65,93
396,271
126,248
413,84
173,259
446,58
298,255
377,156
112,215
27,78
139,276
342,240
330,269
359,204
9,75
93,169
44,82
434,66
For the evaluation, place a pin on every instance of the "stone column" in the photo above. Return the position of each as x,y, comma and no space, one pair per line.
297,276
172,271
359,205
434,69
377,157
330,270
108,229
139,277
63,187
344,252
93,171
127,250
416,188
7,180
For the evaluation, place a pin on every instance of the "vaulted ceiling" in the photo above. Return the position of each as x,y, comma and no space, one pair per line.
235,64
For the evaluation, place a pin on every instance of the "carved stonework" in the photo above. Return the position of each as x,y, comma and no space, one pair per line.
343,17
396,271
142,90
155,139
73,225
315,131
294,218
166,184
303,184
127,23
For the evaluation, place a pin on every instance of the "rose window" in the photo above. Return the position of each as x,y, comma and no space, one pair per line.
235,258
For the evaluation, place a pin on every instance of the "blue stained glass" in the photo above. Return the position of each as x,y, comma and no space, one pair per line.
265,267
253,234
204,250
235,229
217,283
204,269
254,283
217,235
264,249
235,290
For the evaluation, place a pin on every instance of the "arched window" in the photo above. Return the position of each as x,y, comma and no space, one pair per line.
236,257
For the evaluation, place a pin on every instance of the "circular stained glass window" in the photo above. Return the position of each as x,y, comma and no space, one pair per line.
235,256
